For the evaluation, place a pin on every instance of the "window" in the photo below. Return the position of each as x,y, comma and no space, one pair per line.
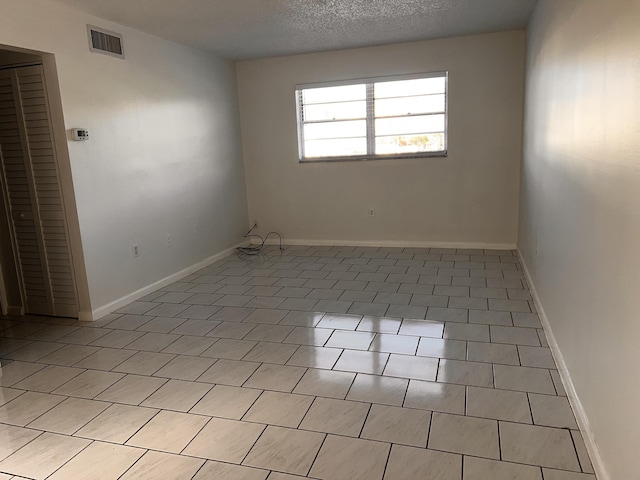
387,117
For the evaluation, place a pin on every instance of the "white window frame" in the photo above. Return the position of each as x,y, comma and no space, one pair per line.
370,119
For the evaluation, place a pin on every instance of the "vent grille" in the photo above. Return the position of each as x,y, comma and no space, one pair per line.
104,41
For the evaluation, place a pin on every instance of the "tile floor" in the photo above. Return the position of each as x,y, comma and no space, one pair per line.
321,362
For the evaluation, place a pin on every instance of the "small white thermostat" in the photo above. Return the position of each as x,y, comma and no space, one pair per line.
79,134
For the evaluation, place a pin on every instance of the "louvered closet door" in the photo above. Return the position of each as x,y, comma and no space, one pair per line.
32,187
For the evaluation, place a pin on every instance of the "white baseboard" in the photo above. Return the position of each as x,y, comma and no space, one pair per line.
572,394
110,307
392,243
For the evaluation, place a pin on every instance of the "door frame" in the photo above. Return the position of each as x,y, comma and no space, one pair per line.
60,140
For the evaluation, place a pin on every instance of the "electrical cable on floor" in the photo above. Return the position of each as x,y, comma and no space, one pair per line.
256,249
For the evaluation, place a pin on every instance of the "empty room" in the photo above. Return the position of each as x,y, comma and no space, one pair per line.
325,239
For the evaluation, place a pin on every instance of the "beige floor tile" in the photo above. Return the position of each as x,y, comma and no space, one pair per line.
195,327
69,354
409,463
14,372
265,316
439,397
13,438
99,461
144,363
489,317
226,402
189,345
315,357
376,389
232,330
534,445
229,349
177,395
492,353
48,379
155,465
379,325
325,383
224,440
468,435
285,450
268,333
213,470
33,351
276,408
341,417
268,352
69,416
405,366
421,328
117,338
515,335
8,394
168,431
401,344
403,426
302,319
88,384
229,372
284,476
351,458
279,378
465,373
362,362
117,423
557,383
581,450
132,389
498,404
161,325
552,411
105,359
340,321
536,357
153,342
550,474
524,379
185,367
28,407
308,336
85,335
484,469
352,340
462,331
43,456
440,348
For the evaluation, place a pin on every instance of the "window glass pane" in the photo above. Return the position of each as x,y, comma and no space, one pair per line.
334,94
316,131
343,147
409,105
408,125
335,111
406,88
399,144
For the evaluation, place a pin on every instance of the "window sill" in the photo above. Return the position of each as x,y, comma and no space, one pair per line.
366,158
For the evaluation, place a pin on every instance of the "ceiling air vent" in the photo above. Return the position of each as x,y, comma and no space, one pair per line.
104,41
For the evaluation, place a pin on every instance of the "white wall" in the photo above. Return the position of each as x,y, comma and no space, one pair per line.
580,207
164,156
470,197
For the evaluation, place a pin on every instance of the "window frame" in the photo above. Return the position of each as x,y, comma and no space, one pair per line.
370,118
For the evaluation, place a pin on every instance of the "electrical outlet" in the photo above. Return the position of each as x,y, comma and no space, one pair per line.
169,241
372,212
135,250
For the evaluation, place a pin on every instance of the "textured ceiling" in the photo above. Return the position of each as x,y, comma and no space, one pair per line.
242,29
